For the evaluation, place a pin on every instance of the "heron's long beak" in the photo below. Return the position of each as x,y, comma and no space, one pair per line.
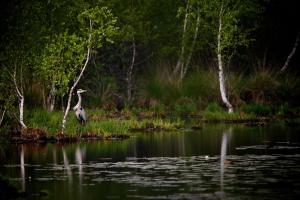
84,90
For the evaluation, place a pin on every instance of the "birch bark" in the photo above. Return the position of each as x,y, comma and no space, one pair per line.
20,95
220,65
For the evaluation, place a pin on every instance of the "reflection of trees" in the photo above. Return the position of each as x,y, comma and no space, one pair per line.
79,157
225,140
67,165
22,165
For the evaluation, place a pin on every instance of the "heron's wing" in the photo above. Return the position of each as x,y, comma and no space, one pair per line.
82,115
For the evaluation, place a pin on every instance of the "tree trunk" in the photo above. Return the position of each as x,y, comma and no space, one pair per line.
20,95
180,62
51,98
22,112
291,54
2,117
62,103
129,74
192,48
220,64
75,83
44,98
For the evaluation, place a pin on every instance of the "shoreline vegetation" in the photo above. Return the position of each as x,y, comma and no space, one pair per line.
118,125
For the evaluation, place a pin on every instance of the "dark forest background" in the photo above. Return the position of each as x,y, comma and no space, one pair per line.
150,32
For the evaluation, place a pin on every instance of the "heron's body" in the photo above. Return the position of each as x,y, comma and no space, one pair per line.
80,115
79,111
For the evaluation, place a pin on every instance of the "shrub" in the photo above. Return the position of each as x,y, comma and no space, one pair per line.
185,106
261,87
214,107
258,109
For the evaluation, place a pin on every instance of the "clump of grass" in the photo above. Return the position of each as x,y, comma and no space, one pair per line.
262,87
258,109
50,122
214,112
166,124
185,106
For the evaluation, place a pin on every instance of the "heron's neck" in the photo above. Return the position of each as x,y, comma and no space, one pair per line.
79,101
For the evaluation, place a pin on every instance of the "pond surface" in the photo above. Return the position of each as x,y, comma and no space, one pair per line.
215,162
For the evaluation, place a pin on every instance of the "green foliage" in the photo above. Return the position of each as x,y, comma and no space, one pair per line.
100,24
60,61
48,42
258,109
164,92
198,89
214,112
202,86
185,106
214,107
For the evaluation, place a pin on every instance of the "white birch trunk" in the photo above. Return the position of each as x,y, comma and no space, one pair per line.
22,112
180,62
20,97
75,84
291,54
220,64
129,74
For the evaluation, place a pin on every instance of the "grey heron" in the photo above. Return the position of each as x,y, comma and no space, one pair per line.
79,111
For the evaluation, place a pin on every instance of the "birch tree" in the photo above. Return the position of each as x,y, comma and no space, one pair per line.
190,30
220,64
98,24
180,62
20,94
59,63
231,34
15,66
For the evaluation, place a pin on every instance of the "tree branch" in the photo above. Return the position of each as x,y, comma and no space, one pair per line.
2,117
291,54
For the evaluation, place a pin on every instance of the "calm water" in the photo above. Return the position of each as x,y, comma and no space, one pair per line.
216,162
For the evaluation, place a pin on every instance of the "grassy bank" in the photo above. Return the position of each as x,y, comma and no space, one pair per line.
107,123
99,123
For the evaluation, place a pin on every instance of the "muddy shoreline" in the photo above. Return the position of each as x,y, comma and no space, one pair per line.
35,135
